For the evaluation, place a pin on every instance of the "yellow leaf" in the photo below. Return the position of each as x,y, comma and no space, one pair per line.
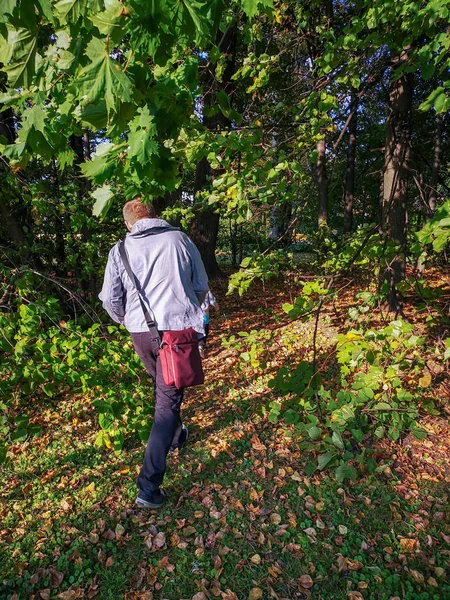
255,559
275,518
255,594
425,380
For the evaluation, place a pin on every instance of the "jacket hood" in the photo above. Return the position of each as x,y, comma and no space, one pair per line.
145,227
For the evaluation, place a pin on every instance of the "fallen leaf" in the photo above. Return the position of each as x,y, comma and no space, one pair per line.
159,540
255,559
255,594
409,545
165,564
138,577
342,529
109,562
275,518
257,444
66,504
306,582
45,594
119,530
56,578
355,596
417,576
310,532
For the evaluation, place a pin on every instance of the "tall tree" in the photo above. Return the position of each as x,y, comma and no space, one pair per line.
322,182
205,227
349,188
434,178
395,181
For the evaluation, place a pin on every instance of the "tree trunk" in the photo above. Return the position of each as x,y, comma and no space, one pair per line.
205,228
434,179
349,191
160,203
13,232
81,146
395,181
322,182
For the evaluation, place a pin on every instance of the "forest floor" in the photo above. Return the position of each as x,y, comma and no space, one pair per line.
242,521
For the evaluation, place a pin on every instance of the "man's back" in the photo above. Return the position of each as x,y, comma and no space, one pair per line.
170,272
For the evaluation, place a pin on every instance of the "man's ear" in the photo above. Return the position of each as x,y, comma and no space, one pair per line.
128,226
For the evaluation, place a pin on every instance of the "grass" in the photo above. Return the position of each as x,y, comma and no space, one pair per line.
242,521
231,524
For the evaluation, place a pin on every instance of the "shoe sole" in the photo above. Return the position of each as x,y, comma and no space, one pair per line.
145,504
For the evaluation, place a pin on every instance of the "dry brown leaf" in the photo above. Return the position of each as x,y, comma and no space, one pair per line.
119,530
306,582
159,540
138,577
109,562
417,576
409,545
310,532
257,444
164,563
45,594
255,559
275,518
255,594
352,595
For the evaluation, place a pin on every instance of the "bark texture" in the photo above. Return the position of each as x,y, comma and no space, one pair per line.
322,182
395,181
349,190
205,227
434,178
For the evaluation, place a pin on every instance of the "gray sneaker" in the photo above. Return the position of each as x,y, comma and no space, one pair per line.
153,500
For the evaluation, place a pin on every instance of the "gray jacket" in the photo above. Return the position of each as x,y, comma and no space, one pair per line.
172,277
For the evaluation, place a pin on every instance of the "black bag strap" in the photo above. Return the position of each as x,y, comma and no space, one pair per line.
135,281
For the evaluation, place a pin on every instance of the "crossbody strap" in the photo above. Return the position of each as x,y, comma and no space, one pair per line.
135,281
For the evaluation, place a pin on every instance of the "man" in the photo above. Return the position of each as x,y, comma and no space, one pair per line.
173,283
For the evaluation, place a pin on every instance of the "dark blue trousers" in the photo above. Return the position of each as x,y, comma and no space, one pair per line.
166,427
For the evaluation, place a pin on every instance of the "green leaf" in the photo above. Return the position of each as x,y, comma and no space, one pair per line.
110,21
103,199
6,8
45,9
18,54
345,471
250,7
419,433
325,459
382,406
337,440
103,79
314,432
35,117
71,10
